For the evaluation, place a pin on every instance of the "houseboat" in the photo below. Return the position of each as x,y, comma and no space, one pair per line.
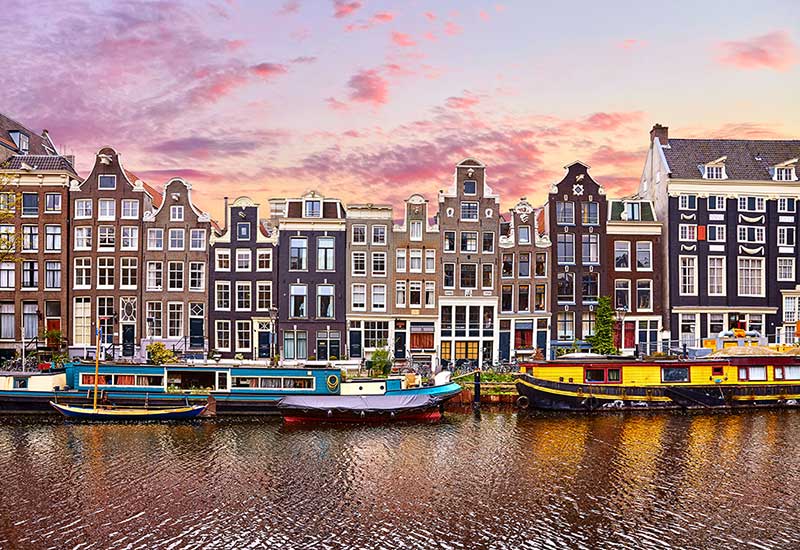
225,388
717,382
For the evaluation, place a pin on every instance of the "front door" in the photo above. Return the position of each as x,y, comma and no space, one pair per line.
128,333
196,329
505,346
355,343
53,325
400,345
264,339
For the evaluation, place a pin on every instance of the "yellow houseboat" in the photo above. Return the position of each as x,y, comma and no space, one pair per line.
589,384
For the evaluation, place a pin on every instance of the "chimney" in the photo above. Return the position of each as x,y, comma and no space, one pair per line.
660,132
226,213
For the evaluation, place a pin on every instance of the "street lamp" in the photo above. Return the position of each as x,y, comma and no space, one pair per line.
273,318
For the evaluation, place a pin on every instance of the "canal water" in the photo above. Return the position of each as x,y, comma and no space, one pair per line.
494,481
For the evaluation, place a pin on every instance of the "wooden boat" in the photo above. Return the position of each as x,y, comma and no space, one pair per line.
117,414
731,381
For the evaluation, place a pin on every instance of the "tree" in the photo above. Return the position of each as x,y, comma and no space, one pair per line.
602,340
160,354
380,361
9,205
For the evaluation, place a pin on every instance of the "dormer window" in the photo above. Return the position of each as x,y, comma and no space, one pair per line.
107,182
633,211
715,173
785,173
176,213
24,144
313,209
470,187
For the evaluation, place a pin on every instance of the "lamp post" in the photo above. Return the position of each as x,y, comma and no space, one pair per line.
619,316
273,318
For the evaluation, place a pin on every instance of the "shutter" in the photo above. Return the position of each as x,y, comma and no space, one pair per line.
701,232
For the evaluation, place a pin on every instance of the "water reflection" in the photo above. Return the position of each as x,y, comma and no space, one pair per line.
496,481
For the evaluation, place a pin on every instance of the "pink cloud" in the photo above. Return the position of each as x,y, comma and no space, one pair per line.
430,36
453,29
377,19
403,40
609,156
632,43
609,121
304,59
484,15
368,86
462,103
336,105
430,15
269,70
499,8
774,50
383,17
343,8
289,7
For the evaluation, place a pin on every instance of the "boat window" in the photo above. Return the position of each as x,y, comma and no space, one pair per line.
125,380
742,373
102,380
757,373
20,383
143,380
595,375
613,375
244,382
271,382
298,383
791,373
674,374
717,371
777,373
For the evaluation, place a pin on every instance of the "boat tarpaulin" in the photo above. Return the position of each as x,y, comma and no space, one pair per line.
358,403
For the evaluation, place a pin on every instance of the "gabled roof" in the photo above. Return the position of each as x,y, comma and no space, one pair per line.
746,159
49,163
38,144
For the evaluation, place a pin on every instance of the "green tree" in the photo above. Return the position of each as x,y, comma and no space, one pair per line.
10,203
602,340
380,361
159,353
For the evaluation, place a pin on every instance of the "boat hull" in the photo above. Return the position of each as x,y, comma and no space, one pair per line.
125,415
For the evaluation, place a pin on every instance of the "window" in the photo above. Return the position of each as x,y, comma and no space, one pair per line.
688,275
176,239
7,275
52,275
244,298
565,213
633,211
488,242
751,204
416,230
430,294
400,293
784,174
750,234
716,202
263,295
155,239
130,209
30,204
7,323
524,234
644,256
129,272
470,187
622,254
105,272
223,295
469,241
197,275
379,234
716,233
753,373
298,295
590,213
175,276
415,261
687,202
7,238
313,209
787,205
644,295
786,236
325,301
325,254
566,287
376,334
524,264
83,273
751,276
591,287
687,232
786,269
359,234
674,374
176,213
52,238
197,239
590,248
298,254
379,264
716,276
715,172
52,203
264,259
30,275
223,257
295,344
469,211
358,299
540,269
243,335
154,320
565,248
449,241
106,237
523,297
359,263
622,294
223,334
83,208
566,325
469,276
378,297
587,323
430,260
30,238
487,276
243,231
130,238
243,260
540,297
507,298
716,323
449,276
81,321
107,182
174,319
155,275
106,209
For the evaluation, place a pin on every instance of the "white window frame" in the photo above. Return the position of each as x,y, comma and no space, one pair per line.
790,264
724,276
742,290
694,288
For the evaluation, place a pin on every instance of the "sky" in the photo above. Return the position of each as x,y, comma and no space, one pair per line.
373,101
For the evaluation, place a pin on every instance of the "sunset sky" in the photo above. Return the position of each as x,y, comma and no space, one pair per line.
372,101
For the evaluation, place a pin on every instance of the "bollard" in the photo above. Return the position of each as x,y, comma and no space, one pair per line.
685,351
476,398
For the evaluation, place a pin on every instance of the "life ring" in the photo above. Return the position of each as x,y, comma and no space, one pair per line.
523,402
333,382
